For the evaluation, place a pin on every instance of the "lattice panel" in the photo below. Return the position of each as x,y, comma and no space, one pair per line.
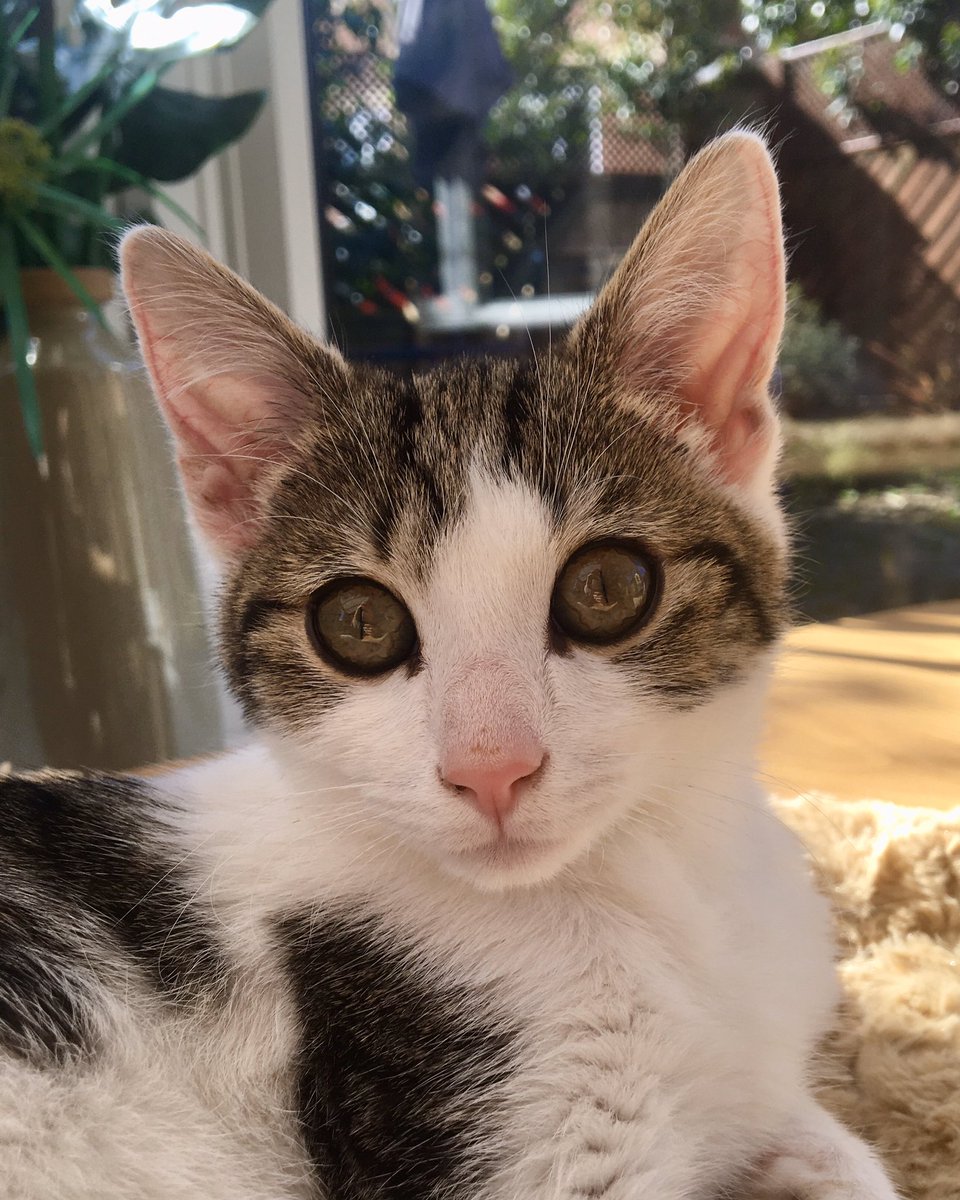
885,99
640,145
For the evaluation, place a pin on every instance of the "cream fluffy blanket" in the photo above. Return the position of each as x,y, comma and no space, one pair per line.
892,1069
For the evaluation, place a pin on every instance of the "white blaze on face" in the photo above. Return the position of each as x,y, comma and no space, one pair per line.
493,703
486,642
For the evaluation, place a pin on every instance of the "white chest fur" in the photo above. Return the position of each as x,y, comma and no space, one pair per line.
664,994
665,1028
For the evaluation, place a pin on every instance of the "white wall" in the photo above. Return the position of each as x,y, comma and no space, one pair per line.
257,201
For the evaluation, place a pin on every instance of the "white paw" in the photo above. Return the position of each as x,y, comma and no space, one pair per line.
820,1173
816,1158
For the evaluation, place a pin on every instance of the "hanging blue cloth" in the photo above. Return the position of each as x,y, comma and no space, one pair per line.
450,73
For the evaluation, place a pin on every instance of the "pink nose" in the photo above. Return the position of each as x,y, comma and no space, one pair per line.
491,785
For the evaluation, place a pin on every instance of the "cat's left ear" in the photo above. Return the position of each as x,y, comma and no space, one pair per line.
690,323
237,381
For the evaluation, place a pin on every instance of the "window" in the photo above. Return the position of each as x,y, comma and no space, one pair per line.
601,104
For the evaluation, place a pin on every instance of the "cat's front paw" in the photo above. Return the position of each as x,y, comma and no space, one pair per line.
797,1176
818,1159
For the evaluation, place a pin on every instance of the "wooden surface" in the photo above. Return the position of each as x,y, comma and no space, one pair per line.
869,708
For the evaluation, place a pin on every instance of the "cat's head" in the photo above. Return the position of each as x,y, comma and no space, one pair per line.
496,609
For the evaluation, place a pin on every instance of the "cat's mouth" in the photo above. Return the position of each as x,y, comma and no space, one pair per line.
508,857
509,862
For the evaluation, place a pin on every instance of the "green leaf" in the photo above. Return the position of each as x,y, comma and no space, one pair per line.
128,178
8,61
79,97
19,334
171,134
45,29
141,88
44,246
59,201
190,30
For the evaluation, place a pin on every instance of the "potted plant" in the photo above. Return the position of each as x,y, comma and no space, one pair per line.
102,642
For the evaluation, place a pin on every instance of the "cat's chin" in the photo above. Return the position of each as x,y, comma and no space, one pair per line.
509,863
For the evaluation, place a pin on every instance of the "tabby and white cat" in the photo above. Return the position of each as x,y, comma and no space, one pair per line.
492,909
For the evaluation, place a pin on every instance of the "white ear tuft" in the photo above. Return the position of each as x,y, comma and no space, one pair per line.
234,377
695,312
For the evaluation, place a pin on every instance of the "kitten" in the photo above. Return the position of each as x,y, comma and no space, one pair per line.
492,909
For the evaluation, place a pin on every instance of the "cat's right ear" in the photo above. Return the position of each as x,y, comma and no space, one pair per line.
236,380
690,323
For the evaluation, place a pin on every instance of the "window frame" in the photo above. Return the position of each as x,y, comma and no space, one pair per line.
257,201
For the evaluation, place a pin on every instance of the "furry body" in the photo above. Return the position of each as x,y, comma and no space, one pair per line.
403,1037
505,918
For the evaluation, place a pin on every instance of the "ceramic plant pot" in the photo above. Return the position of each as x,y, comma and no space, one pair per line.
104,655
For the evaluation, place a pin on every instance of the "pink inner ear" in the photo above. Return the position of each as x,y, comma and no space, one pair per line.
695,310
223,508
728,391
736,346
222,446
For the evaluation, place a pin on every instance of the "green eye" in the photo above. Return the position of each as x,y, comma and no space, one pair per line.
360,627
605,592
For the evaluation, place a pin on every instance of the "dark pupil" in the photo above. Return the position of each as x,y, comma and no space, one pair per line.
602,594
364,626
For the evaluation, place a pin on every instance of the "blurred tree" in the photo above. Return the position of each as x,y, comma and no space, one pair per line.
626,59
634,57
641,64
928,31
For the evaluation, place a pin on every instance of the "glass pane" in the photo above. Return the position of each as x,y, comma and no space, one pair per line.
446,235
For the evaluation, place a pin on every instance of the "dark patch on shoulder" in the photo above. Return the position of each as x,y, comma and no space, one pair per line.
397,1076
42,1015
87,851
